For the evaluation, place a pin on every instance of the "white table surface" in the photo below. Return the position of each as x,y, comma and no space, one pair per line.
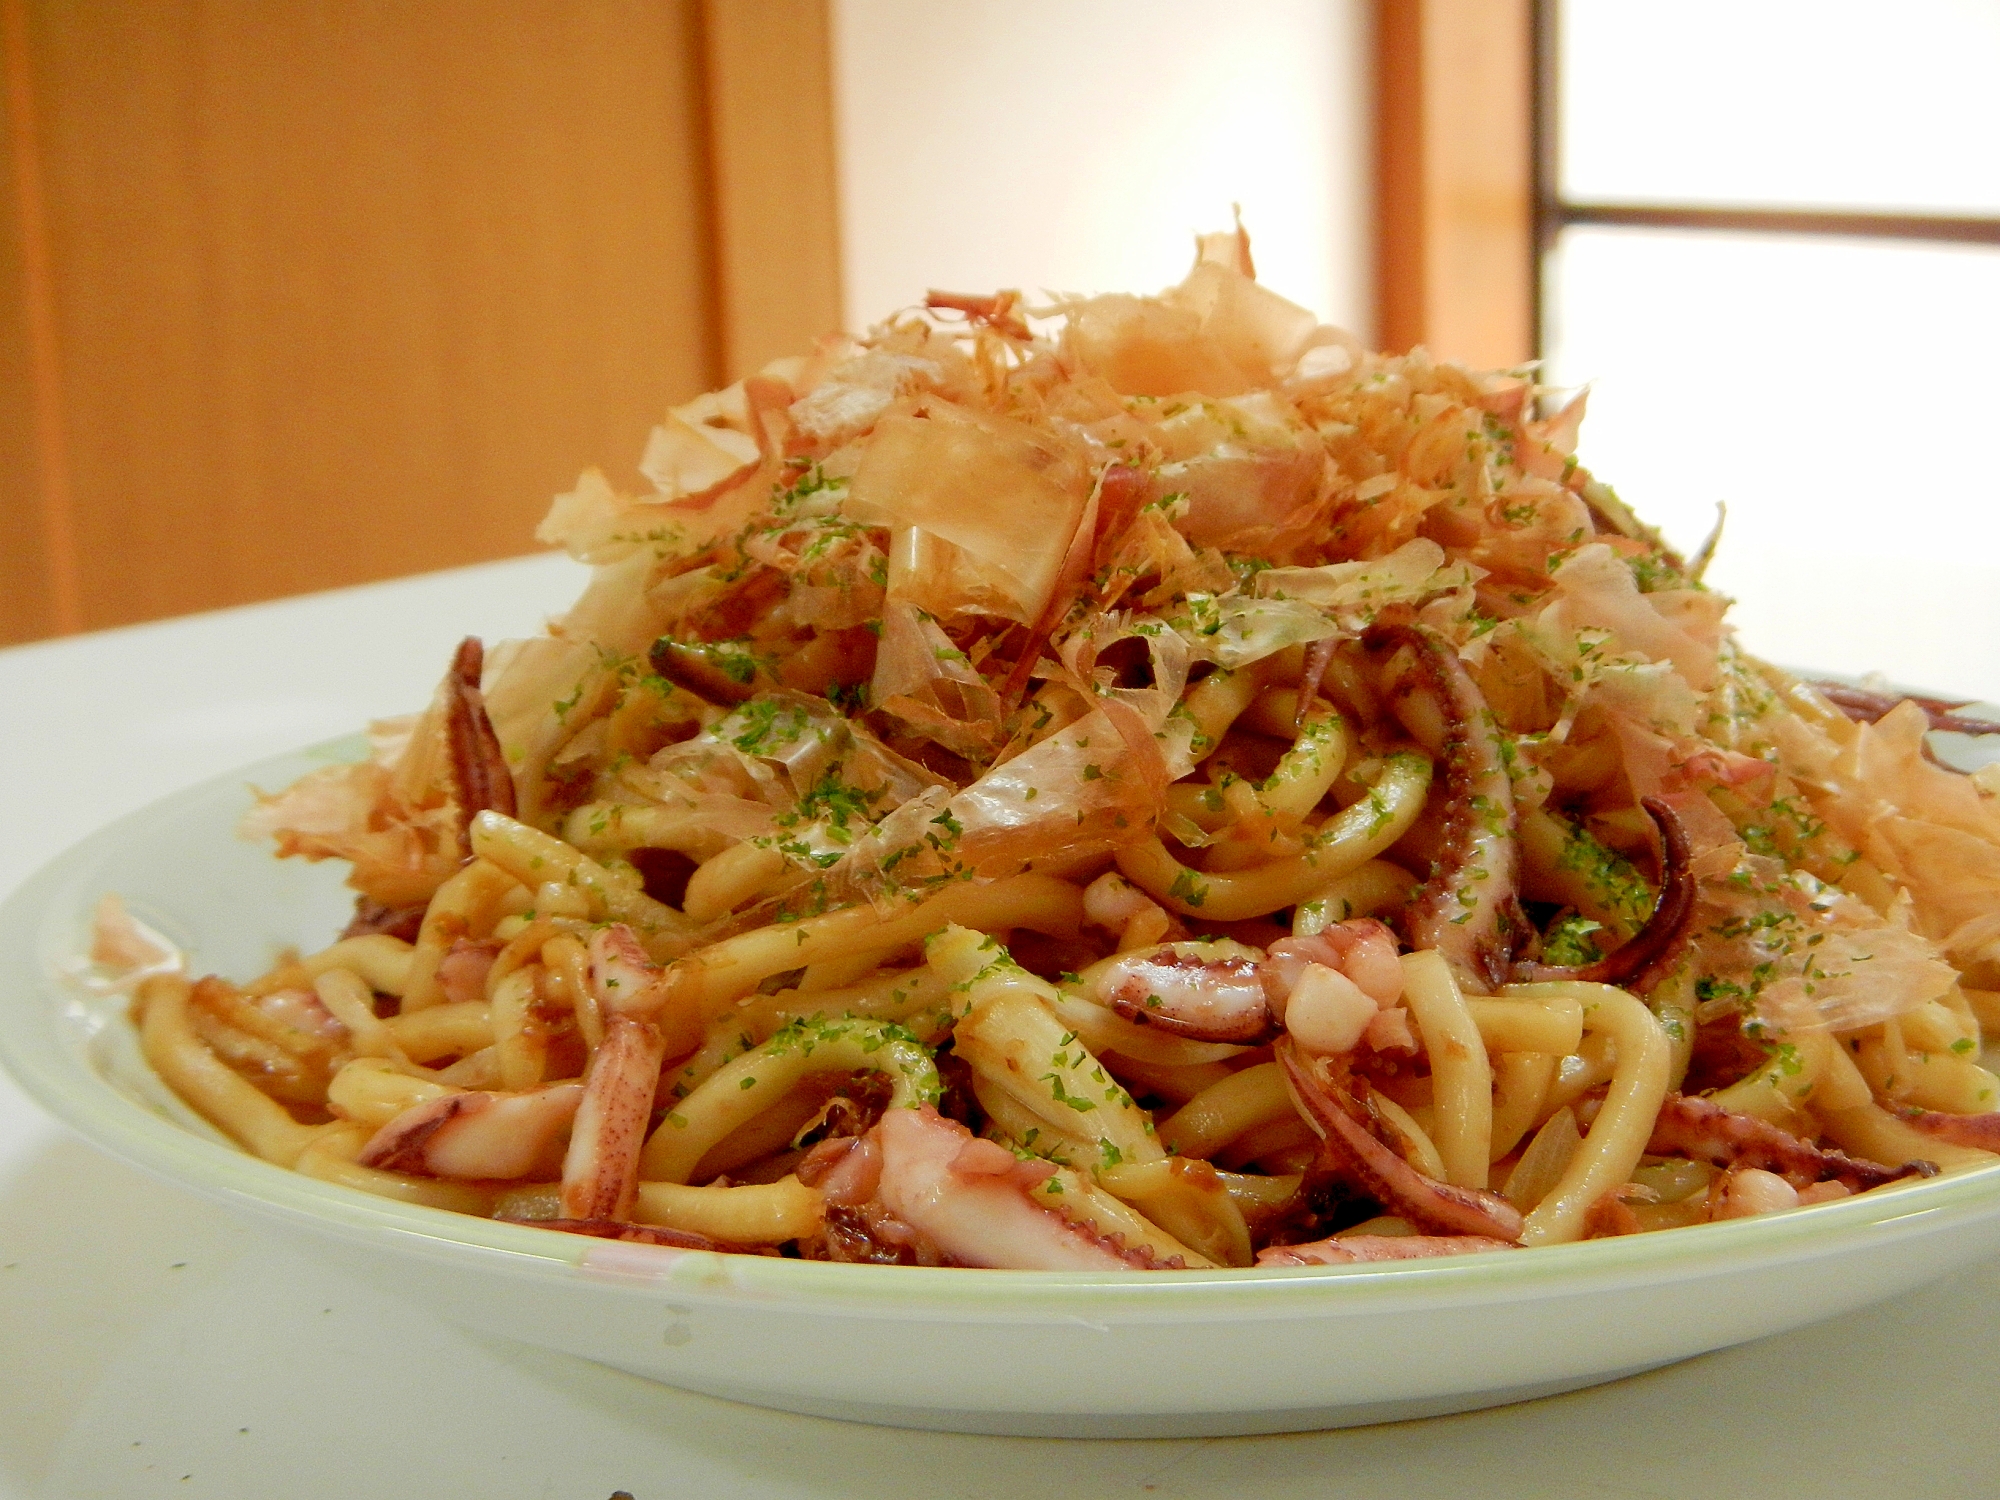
150,1345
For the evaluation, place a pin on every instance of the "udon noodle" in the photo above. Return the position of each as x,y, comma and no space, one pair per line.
1150,784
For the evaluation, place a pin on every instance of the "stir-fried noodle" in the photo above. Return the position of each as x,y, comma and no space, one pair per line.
1154,786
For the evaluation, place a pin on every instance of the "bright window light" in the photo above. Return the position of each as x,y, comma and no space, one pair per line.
1890,107
1840,395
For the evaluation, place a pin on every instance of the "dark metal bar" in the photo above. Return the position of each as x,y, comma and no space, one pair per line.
1937,227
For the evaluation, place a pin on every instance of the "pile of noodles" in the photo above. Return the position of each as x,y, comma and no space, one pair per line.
925,609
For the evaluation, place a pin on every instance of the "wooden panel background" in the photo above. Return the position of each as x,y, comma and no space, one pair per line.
331,290
771,132
1454,178
34,565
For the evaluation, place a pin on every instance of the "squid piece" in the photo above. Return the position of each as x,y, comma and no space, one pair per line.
1339,987
1188,991
479,775
1211,995
480,782
1469,909
1341,1121
1319,656
1691,1127
1656,948
982,1206
477,1135
1363,949
600,1174
846,1169
857,1228
623,977
625,982
462,972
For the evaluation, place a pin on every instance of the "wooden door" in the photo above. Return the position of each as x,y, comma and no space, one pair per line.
300,293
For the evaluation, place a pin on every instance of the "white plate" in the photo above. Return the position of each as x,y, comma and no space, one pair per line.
1106,1355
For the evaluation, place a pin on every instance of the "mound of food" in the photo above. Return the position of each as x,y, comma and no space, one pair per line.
1137,782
